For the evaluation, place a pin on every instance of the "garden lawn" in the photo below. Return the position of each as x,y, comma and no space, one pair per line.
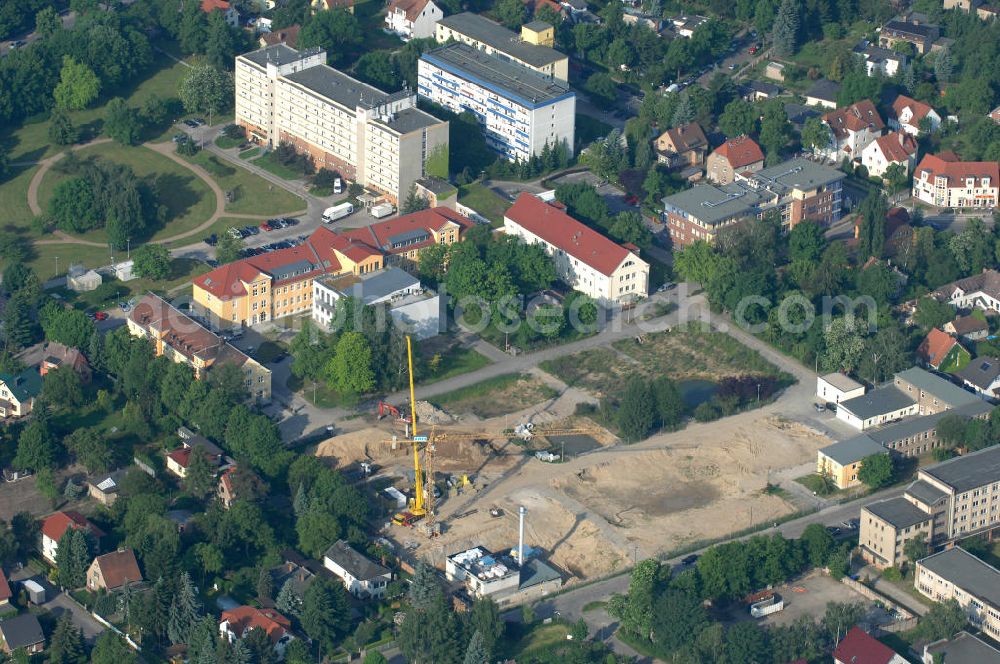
485,201
252,193
271,164
17,215
44,258
454,361
188,199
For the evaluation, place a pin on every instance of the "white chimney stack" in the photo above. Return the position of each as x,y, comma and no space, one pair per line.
520,535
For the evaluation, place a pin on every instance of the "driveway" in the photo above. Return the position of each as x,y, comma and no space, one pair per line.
59,603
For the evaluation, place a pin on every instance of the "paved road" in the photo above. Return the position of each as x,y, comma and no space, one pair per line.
61,603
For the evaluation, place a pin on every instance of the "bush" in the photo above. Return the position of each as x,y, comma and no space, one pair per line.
187,148
584,409
706,412
234,131
324,178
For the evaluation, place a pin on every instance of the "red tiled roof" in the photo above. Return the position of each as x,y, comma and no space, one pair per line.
935,347
411,7
211,5
288,36
55,525
860,648
918,108
946,164
5,593
897,146
119,568
740,152
244,618
855,117
430,220
182,455
563,231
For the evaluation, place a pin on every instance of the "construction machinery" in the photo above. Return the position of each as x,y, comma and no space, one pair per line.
388,409
416,509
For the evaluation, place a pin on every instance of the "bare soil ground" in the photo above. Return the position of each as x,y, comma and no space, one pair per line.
496,397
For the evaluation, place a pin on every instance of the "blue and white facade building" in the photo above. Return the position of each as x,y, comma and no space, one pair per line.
519,109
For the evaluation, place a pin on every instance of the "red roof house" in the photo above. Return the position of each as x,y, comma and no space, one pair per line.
113,571
940,348
5,593
907,114
237,622
861,648
736,155
55,526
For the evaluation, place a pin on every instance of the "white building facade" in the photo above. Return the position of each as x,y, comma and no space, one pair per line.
942,181
520,111
412,19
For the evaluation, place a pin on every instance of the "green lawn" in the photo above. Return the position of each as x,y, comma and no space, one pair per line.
249,154
956,360
536,637
590,129
225,142
14,199
47,256
484,201
252,193
188,199
454,361
270,164
319,394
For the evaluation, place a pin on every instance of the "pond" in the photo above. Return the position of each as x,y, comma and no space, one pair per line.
696,391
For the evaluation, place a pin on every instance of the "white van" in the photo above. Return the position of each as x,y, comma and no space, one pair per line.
338,186
382,210
336,212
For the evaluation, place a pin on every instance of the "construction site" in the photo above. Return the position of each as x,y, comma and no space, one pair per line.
591,509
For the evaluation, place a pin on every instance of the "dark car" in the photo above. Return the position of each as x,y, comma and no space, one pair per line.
211,262
251,230
212,240
191,123
690,560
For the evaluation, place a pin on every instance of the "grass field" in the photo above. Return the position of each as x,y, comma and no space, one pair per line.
188,199
270,164
252,193
500,395
590,129
452,361
249,154
46,256
484,201
14,199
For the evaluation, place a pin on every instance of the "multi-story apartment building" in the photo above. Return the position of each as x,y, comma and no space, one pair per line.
913,29
950,500
532,49
381,141
586,260
521,111
957,574
280,283
944,181
852,129
184,340
797,190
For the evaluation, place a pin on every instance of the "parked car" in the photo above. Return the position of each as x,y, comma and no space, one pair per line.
251,230
181,138
690,560
212,240
192,124
100,315
820,407
198,121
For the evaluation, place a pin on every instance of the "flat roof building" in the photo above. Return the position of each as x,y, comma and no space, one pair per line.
377,139
520,110
957,574
842,461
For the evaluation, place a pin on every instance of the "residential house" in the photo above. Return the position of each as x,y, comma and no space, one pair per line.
113,571
55,526
908,114
987,12
879,61
980,291
18,392
995,115
5,593
586,260
179,459
895,148
56,355
22,632
912,30
736,155
964,5
346,5
685,26
940,350
852,129
798,189
949,500
836,387
183,340
437,192
236,623
289,36
963,648
858,647
774,71
531,50
798,114
637,17
759,91
842,461
280,283
823,93
957,574
969,328
104,488
228,489
362,577
683,148
413,19
983,375
945,181
228,10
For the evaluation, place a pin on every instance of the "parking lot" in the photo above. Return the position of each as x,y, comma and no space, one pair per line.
22,496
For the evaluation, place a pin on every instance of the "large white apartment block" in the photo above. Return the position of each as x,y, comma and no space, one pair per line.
586,260
944,181
379,140
528,49
520,111
957,574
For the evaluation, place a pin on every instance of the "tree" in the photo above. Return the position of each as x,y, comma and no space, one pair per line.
336,30
122,123
72,558
677,617
785,33
895,177
66,326
476,653
73,205
378,69
207,90
375,657
817,543
111,649
47,22
942,621
916,548
485,620
774,129
63,387
943,66
67,643
18,325
636,414
668,401
88,446
844,340
36,447
630,227
326,615
185,611
683,112
349,371
220,44
193,28
265,584
602,89
78,85
871,232
200,477
876,470
152,261
414,202
61,129
816,135
806,242
229,248
288,601
738,119
512,13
